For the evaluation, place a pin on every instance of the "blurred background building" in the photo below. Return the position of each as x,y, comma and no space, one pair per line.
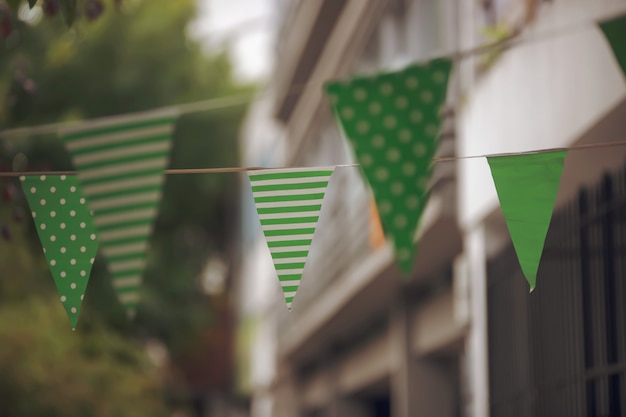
462,336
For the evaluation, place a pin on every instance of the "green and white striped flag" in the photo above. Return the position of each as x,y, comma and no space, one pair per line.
120,163
289,202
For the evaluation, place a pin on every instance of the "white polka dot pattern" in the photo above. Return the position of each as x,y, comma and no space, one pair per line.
392,121
65,228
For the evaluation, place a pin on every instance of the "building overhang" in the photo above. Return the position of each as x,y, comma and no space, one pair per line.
301,50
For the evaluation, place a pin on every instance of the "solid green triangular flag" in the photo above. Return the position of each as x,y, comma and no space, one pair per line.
392,121
615,32
289,202
121,163
527,186
66,232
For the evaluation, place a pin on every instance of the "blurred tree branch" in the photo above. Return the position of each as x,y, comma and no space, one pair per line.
70,9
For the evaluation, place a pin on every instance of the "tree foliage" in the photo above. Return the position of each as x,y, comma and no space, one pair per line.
137,59
48,371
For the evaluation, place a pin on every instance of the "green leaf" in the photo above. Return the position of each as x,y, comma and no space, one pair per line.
14,4
69,11
32,3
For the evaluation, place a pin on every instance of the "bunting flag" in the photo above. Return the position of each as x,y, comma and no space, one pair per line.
120,164
615,32
67,235
392,121
527,186
289,202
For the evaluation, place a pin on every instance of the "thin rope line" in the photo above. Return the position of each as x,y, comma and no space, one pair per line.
234,100
186,171
600,145
210,104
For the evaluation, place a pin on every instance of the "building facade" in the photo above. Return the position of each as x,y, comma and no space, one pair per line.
460,337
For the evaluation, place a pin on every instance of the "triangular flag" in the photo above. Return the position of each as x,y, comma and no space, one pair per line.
66,232
120,164
527,186
289,202
615,32
392,121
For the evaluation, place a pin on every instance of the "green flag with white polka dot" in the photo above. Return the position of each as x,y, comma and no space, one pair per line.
121,163
392,121
67,235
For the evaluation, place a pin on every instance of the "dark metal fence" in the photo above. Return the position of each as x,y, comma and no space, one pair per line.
561,351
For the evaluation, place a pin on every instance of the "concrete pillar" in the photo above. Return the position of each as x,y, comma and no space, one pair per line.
402,373
285,392
477,340
419,386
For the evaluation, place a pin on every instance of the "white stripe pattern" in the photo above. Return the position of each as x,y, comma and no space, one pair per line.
290,249
290,203
125,217
126,282
128,232
290,237
306,192
126,200
122,185
119,153
117,168
289,215
120,162
122,266
281,196
118,138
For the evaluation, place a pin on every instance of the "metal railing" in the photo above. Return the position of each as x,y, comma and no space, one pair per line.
561,351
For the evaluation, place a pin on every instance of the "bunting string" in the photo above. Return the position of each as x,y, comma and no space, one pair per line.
240,99
194,107
223,170
393,122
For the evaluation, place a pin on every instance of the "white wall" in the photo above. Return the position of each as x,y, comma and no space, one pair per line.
541,94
